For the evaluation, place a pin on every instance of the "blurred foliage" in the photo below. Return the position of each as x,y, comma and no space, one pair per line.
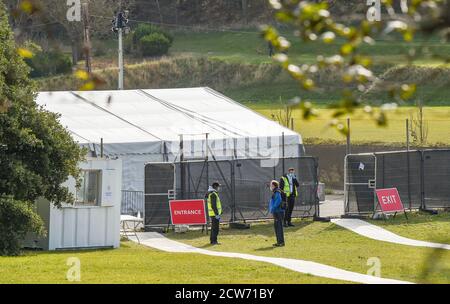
284,115
89,81
313,23
48,63
434,263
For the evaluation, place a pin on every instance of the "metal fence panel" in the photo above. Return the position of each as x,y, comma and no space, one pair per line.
422,178
245,186
360,176
436,181
159,180
198,175
132,203
252,179
401,170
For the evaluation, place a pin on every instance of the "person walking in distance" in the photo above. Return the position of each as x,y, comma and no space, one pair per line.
275,208
214,211
289,185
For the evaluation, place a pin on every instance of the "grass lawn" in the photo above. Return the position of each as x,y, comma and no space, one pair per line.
248,46
332,245
419,226
364,129
134,263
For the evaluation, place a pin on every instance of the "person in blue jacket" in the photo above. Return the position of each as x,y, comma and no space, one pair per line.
276,209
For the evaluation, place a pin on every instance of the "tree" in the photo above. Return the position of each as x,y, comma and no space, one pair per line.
37,154
55,11
419,126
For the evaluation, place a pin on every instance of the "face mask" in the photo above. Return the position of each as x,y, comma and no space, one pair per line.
272,188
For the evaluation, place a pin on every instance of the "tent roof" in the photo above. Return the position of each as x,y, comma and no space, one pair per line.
139,116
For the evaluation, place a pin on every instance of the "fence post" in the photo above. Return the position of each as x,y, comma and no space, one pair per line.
422,181
182,173
349,148
409,178
407,134
317,181
233,191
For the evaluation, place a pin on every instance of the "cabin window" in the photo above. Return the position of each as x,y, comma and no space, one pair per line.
88,192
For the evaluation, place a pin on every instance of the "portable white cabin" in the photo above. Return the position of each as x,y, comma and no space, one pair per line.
93,221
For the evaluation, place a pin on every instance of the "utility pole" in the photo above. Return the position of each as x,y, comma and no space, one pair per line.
87,39
119,26
120,59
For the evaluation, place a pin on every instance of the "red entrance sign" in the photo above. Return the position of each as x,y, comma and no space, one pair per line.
389,200
187,212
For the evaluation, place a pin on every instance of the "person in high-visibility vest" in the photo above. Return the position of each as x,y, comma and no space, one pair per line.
214,211
289,184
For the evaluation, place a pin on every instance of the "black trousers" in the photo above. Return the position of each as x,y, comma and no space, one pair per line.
214,230
278,225
289,209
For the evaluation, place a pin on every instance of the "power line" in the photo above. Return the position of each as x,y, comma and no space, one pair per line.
38,25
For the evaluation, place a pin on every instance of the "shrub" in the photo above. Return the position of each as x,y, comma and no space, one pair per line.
17,218
49,64
154,45
148,40
147,29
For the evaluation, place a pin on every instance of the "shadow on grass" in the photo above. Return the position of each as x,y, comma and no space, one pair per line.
34,253
261,228
269,248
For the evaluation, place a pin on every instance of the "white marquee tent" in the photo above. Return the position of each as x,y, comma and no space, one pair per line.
142,126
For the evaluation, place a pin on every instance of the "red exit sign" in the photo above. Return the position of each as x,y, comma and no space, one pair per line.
389,200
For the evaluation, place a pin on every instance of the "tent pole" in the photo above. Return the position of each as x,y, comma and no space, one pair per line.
101,147
182,173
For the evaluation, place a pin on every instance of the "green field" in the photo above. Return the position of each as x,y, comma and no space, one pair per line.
332,245
364,129
247,47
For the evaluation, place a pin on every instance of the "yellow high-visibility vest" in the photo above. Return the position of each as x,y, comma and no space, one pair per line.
218,203
287,187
